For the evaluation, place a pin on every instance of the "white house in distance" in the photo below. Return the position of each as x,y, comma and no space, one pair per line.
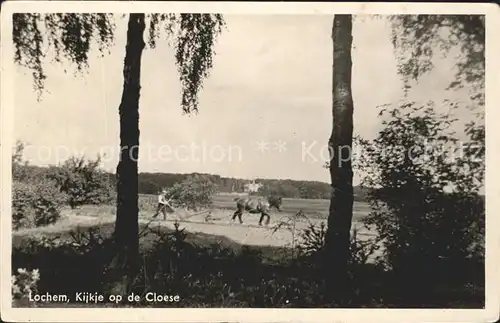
252,187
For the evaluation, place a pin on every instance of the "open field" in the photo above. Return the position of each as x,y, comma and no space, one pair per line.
312,207
219,223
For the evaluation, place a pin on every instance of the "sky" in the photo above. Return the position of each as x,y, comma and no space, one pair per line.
265,110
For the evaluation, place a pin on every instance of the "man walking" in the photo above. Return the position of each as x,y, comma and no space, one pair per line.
163,204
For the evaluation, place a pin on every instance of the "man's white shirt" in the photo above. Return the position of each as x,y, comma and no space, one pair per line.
161,199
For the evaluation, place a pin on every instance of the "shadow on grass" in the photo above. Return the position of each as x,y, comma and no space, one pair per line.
209,271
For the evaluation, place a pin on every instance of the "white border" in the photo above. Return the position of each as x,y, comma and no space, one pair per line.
490,313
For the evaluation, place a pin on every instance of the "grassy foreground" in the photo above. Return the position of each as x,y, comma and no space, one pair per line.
207,271
148,240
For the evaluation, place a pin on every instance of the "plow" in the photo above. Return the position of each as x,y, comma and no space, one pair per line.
182,214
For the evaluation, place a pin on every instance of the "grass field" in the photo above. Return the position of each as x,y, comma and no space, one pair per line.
219,223
314,208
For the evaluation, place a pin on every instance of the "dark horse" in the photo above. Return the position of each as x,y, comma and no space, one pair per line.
275,201
255,205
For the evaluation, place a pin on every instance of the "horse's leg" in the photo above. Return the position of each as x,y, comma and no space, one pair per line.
235,214
268,219
261,218
238,213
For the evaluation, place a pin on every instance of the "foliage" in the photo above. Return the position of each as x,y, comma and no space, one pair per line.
193,193
24,283
362,250
36,204
289,222
83,181
80,180
294,189
151,183
22,171
307,243
426,208
70,36
206,271
18,171
279,188
312,239
417,38
85,254
223,278
17,155
194,49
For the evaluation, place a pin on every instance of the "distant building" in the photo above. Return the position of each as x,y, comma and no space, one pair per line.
252,187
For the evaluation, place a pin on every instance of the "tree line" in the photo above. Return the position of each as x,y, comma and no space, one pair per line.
152,183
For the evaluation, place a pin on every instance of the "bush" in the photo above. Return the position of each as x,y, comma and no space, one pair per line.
362,250
204,271
193,193
312,241
24,283
36,204
217,276
18,171
83,182
426,208
22,171
84,254
205,276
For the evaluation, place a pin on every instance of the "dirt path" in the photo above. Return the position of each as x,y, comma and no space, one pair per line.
220,223
240,233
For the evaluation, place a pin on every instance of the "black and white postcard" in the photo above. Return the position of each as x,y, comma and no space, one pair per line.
249,161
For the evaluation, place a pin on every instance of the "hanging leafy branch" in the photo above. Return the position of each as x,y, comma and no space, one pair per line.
417,38
194,36
70,36
64,35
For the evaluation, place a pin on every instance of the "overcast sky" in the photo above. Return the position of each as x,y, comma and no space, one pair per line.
271,83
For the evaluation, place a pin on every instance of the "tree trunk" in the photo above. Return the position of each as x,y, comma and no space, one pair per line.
127,210
337,240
